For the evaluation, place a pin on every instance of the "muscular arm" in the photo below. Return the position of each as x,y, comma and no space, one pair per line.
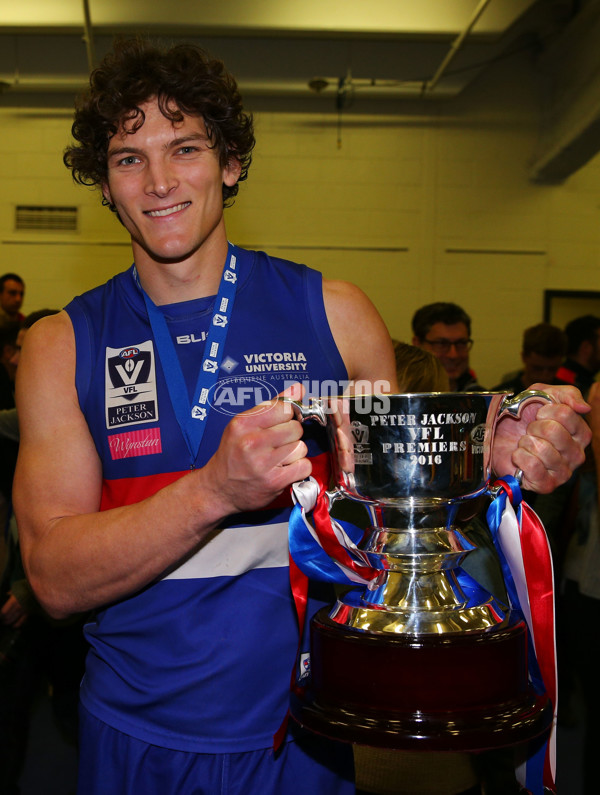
78,558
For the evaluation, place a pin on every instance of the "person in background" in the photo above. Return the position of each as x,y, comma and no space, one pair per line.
9,329
12,335
444,329
580,608
419,370
12,293
573,532
559,510
8,447
583,353
543,351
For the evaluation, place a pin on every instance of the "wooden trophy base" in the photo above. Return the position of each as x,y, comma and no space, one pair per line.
453,692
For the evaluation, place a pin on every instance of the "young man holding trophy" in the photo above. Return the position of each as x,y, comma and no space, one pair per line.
161,490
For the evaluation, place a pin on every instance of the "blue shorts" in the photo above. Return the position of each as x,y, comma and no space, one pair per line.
115,763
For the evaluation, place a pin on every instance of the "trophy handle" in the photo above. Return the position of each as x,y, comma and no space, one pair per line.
513,406
318,410
314,411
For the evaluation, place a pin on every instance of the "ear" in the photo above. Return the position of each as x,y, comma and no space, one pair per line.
106,193
232,171
416,341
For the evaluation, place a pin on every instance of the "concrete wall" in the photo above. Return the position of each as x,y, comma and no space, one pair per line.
430,203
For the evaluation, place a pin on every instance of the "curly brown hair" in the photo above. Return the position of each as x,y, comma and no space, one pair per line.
184,79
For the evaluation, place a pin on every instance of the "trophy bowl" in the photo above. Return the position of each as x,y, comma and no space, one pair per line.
422,657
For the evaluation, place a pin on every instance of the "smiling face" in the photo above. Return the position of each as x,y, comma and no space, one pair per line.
454,355
166,182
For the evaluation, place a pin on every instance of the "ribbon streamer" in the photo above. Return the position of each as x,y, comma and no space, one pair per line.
526,562
328,550
328,553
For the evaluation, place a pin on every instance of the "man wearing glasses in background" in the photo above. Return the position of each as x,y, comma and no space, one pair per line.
445,330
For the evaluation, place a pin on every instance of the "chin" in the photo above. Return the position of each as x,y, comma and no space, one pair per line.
453,374
168,256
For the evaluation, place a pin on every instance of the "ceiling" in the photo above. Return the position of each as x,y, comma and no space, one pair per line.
296,50
382,56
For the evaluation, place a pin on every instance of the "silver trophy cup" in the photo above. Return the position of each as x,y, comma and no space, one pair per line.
423,656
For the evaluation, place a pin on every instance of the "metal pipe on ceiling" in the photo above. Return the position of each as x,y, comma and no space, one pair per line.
88,35
455,47
67,84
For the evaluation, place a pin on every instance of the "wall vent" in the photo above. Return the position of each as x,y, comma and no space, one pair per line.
45,219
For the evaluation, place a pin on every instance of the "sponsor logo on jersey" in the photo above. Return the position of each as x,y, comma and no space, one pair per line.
235,394
229,365
135,443
279,361
130,385
187,339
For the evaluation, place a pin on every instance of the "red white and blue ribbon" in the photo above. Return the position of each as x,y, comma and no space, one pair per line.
526,561
326,549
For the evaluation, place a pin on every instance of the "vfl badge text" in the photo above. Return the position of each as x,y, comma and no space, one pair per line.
130,382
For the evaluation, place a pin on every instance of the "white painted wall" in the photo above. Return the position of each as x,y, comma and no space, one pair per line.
430,204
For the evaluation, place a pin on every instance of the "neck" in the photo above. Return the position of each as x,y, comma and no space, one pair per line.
170,282
182,284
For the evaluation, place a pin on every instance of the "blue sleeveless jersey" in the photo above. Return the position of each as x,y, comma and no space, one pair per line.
200,660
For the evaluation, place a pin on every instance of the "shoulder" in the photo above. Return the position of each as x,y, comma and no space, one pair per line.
48,351
359,332
336,291
347,305
49,330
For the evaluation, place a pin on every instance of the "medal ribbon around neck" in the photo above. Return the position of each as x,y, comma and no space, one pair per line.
193,418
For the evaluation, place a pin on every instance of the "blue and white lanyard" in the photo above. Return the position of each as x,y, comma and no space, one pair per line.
192,419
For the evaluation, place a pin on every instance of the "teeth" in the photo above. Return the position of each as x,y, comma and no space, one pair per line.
168,211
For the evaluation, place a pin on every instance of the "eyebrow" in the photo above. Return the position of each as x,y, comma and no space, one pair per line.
173,144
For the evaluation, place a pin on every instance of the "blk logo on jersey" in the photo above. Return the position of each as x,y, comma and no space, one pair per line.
130,381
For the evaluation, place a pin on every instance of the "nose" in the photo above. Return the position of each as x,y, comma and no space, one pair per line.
453,350
161,179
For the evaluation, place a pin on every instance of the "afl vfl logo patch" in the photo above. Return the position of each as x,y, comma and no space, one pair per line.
130,386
